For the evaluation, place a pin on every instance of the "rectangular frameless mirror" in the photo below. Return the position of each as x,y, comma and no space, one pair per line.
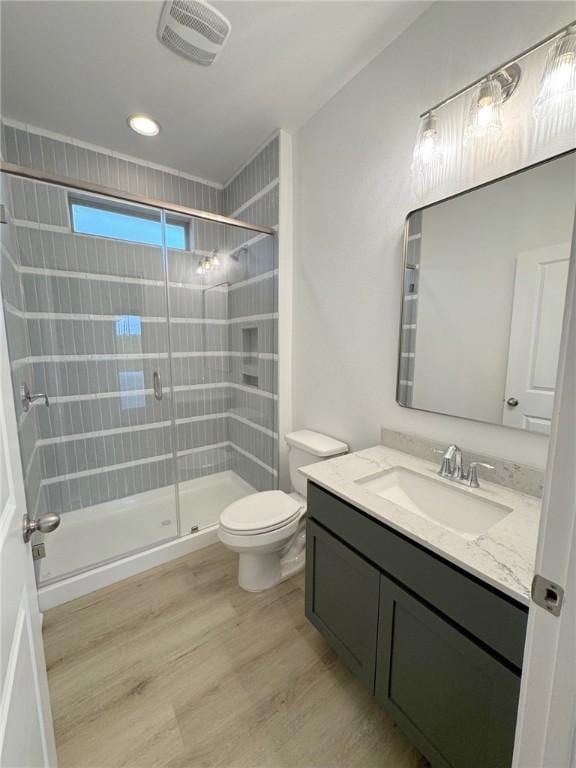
484,286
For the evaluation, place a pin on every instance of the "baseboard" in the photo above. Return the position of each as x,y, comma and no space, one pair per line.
83,583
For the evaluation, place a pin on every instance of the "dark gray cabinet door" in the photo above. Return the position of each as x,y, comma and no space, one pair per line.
342,600
456,701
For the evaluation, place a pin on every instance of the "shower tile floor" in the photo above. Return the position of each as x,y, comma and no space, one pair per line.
179,668
103,532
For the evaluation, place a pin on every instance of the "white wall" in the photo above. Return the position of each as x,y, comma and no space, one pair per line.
468,257
353,191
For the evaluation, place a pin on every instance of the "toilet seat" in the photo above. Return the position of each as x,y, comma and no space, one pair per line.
261,513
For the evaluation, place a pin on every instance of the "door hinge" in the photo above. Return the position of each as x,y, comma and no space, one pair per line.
38,551
3,219
547,594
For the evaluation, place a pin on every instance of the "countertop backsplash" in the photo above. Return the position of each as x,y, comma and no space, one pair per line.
519,477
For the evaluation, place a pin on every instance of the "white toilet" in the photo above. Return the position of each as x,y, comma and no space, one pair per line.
267,529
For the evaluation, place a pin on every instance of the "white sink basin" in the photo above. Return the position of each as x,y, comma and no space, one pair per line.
449,504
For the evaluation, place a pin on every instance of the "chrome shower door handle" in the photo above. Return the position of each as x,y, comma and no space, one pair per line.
27,398
157,385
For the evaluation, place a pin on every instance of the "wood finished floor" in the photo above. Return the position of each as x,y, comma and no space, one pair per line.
179,668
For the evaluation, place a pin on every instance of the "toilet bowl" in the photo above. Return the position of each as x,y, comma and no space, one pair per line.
268,529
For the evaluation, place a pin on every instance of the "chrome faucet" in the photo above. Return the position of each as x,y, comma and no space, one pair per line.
473,475
453,467
447,467
458,473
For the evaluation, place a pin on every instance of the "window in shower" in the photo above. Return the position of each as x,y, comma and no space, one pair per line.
120,222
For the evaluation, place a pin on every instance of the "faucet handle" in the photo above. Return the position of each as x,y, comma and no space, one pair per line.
446,466
450,451
473,478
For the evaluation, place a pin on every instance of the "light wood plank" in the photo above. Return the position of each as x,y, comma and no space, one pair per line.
179,668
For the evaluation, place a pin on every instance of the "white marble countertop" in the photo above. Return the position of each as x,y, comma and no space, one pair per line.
503,556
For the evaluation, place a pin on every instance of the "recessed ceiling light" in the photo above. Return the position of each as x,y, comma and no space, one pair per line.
144,125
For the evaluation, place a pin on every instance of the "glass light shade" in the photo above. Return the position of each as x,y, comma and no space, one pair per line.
484,115
427,151
558,84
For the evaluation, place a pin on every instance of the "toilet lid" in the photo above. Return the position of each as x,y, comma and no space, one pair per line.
262,511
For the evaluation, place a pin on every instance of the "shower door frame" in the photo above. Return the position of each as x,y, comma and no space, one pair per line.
97,189
102,574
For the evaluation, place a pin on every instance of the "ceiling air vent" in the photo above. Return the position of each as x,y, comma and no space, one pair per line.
193,29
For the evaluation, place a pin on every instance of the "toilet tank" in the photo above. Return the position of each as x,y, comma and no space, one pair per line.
307,447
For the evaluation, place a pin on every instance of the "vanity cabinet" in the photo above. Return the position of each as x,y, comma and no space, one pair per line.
342,596
452,697
440,650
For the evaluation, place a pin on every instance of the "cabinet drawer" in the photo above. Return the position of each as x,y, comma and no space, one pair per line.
342,591
455,700
493,618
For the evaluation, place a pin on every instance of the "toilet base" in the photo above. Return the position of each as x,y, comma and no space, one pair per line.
257,571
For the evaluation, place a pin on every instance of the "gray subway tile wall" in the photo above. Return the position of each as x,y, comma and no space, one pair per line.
253,424
90,327
256,175
67,158
19,351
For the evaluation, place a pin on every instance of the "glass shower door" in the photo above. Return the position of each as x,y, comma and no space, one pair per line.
94,292
223,328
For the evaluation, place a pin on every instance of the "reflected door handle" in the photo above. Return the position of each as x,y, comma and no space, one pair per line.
157,385
512,402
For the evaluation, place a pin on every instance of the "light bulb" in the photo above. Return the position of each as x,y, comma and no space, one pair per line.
427,151
558,85
559,78
484,111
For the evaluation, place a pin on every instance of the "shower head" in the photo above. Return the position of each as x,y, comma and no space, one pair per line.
243,251
193,29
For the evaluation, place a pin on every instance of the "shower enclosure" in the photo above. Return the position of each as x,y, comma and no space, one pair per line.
152,333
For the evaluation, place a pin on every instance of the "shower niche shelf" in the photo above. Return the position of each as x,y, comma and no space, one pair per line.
249,366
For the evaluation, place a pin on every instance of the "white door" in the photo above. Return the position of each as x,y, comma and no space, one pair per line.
539,292
546,731
26,734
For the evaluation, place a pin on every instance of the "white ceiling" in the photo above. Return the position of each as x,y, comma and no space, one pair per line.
80,68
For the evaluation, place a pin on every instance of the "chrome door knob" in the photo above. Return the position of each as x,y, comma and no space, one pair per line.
45,524
512,402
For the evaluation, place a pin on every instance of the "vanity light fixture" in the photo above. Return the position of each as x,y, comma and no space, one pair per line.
144,125
428,151
484,114
557,93
208,263
558,84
